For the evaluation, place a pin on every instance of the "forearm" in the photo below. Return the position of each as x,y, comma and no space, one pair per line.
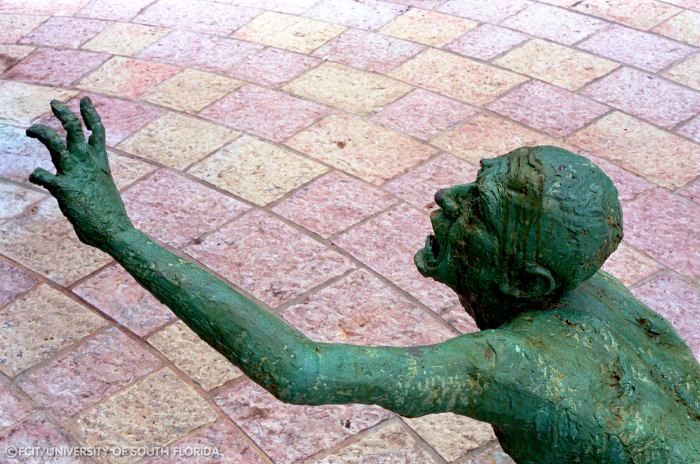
268,350
410,381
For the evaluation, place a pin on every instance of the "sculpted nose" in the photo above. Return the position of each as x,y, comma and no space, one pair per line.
440,197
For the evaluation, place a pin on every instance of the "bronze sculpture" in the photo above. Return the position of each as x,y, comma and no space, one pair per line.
568,366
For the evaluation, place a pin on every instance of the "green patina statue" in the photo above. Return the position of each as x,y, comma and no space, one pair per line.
568,366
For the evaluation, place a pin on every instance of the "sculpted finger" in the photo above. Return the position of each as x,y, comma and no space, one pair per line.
93,122
72,125
44,178
48,137
53,142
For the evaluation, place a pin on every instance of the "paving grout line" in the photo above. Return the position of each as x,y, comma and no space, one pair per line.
352,439
531,128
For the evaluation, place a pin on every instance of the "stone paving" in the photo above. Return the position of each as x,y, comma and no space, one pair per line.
293,147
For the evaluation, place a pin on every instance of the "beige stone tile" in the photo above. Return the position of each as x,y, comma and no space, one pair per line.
639,147
390,444
125,38
347,88
127,77
487,136
43,240
684,27
640,14
457,76
22,103
686,72
191,90
353,145
288,32
14,27
14,199
11,54
176,140
126,170
428,27
152,412
452,435
39,323
257,171
556,64
194,357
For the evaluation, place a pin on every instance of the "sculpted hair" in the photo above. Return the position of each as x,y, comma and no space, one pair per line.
550,208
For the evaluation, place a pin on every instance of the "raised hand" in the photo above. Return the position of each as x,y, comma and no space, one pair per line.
83,184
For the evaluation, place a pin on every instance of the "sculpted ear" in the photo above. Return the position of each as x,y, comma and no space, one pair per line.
533,282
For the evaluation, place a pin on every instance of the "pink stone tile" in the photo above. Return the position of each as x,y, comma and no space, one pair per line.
360,309
641,49
281,6
649,97
425,4
333,203
368,50
272,67
14,406
423,114
175,210
676,300
203,51
691,129
267,258
628,185
116,293
387,244
121,118
55,67
665,226
198,16
37,431
233,447
13,281
42,7
493,11
486,42
418,186
94,370
550,109
289,433
64,32
458,318
691,190
362,14
109,9
20,154
267,113
556,24
629,265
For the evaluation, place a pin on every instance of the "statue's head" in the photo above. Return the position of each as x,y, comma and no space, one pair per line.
537,222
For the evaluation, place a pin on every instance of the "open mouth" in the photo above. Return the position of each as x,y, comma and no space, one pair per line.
432,250
429,258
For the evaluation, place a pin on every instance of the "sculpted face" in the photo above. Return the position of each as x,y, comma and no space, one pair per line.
462,251
537,222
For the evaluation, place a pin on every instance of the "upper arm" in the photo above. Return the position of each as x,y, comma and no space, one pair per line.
450,376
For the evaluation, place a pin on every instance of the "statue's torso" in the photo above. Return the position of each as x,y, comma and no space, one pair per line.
604,379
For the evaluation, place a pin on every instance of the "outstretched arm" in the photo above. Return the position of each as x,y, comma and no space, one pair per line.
411,381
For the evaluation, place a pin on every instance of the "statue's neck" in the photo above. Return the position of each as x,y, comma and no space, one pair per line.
490,310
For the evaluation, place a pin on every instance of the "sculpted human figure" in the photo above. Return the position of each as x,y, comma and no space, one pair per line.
568,366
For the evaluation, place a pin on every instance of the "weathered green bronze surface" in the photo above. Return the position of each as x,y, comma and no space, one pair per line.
569,367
